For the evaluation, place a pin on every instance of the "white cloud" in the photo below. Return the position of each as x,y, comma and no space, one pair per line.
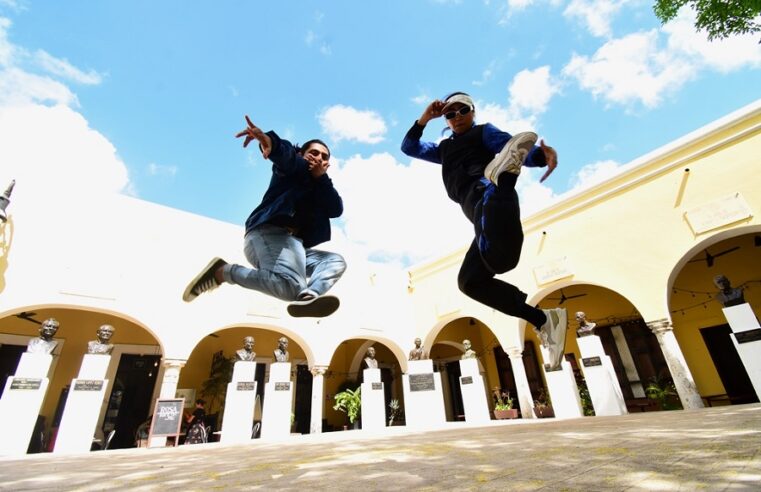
644,67
531,90
487,74
422,99
63,68
595,173
18,87
161,170
341,122
595,14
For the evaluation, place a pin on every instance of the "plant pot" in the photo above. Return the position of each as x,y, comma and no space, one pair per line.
544,412
506,414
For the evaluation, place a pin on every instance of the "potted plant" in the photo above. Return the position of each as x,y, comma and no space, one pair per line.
503,405
663,391
394,410
543,405
349,402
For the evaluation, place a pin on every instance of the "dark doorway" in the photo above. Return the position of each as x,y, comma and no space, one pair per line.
731,371
387,378
303,403
505,371
10,355
130,401
531,365
453,375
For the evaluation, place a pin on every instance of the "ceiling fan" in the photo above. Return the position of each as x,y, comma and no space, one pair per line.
710,259
564,298
27,316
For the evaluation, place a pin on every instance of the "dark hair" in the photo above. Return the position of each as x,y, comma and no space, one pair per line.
301,148
455,94
200,401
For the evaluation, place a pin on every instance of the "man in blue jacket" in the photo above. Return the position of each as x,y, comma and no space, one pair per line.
293,217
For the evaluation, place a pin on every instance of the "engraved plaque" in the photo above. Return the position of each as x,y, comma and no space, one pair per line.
421,382
591,361
718,213
466,380
748,336
377,386
547,368
25,383
88,385
552,270
283,386
245,386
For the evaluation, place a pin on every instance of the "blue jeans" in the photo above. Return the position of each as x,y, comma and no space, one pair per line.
284,268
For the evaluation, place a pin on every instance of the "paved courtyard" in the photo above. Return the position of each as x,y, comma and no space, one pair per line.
710,449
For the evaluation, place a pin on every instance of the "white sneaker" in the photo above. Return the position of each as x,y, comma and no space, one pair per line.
552,336
511,157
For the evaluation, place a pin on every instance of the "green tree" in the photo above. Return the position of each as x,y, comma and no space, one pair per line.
719,18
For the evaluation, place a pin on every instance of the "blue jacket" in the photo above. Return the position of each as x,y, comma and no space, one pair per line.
293,194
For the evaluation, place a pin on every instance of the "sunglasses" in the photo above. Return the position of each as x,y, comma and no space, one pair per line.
462,112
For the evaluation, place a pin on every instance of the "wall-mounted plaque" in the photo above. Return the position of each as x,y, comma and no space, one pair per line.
421,382
547,368
718,213
553,270
748,336
377,386
591,361
25,383
88,385
466,380
245,386
283,386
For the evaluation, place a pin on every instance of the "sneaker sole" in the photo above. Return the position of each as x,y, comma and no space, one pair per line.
188,295
524,141
319,307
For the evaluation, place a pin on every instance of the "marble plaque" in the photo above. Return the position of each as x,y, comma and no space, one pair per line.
552,270
718,213
422,382
25,383
245,386
88,385
748,336
377,386
466,380
591,361
283,386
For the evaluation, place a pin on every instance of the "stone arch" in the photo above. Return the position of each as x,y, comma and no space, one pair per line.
395,349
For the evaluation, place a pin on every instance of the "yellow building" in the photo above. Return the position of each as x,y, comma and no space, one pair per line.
637,253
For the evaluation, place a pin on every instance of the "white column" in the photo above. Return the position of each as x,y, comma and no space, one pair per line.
318,398
683,381
172,368
525,399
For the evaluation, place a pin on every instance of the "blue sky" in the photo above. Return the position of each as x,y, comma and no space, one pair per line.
144,97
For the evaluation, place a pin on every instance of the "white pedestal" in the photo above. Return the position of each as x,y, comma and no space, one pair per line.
473,392
602,383
747,339
278,396
423,396
238,418
563,390
21,402
80,416
373,401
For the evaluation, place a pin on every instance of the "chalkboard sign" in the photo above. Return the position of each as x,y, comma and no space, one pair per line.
748,336
466,380
25,383
167,418
377,386
422,382
88,384
591,361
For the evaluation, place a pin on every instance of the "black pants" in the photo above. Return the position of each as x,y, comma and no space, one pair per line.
496,217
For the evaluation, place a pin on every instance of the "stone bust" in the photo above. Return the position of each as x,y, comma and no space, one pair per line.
370,359
246,354
469,352
417,353
585,328
102,345
728,296
281,352
44,344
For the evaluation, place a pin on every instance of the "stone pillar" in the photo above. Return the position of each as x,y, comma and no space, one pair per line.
683,381
524,397
318,398
172,368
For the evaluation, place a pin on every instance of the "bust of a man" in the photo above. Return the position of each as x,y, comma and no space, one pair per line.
44,344
370,359
247,354
281,352
469,352
585,328
417,353
102,345
728,296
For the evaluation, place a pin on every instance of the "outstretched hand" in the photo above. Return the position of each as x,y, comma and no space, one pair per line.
252,132
551,157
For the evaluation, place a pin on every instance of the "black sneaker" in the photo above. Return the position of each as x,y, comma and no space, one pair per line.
204,281
314,307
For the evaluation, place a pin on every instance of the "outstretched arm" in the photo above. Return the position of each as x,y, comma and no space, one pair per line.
252,132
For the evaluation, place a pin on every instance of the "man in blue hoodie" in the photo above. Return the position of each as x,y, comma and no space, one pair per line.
293,217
